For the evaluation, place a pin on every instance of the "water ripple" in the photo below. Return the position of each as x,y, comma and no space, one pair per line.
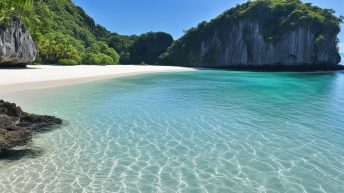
208,131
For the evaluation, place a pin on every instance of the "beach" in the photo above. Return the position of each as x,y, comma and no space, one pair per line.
46,76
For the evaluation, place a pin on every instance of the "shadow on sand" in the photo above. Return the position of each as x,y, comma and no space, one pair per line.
20,67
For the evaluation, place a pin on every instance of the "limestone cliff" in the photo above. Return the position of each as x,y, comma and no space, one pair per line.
243,44
262,34
16,44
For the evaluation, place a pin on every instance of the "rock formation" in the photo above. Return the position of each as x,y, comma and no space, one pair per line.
243,44
16,45
262,34
17,126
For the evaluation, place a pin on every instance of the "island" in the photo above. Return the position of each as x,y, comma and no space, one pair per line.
264,34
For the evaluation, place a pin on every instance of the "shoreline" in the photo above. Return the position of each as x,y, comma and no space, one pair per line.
36,77
277,68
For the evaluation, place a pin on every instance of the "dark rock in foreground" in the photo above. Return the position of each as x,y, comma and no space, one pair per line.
17,126
16,45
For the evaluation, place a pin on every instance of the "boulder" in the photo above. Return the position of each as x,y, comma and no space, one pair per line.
16,45
17,126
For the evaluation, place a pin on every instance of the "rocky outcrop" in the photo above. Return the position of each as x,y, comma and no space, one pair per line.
16,45
17,126
268,35
242,44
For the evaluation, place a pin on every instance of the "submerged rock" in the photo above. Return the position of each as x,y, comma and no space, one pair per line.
16,45
17,126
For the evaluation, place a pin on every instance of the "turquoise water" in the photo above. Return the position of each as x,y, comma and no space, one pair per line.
205,131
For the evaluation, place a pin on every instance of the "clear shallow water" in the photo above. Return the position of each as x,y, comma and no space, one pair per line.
207,131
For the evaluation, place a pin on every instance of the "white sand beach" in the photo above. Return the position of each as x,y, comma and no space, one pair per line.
45,76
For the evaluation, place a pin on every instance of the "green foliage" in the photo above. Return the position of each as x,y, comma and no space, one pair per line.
62,31
56,46
320,39
68,62
100,53
13,8
120,43
148,47
280,16
98,58
276,18
65,34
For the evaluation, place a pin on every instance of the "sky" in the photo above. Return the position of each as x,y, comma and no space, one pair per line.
130,17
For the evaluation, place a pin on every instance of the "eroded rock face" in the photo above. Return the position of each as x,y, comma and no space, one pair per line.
242,44
16,45
17,126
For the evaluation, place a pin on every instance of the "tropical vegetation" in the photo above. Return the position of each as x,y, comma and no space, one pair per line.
65,34
11,8
148,47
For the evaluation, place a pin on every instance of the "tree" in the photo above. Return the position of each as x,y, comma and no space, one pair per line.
100,53
13,8
148,47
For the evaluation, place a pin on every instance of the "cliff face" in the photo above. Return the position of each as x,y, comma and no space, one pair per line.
243,44
16,45
272,34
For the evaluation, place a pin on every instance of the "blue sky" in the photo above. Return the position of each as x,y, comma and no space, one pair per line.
172,16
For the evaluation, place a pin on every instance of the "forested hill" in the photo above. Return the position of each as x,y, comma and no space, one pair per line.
65,34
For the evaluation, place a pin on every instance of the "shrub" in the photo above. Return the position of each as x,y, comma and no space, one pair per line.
68,62
104,59
319,40
98,58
